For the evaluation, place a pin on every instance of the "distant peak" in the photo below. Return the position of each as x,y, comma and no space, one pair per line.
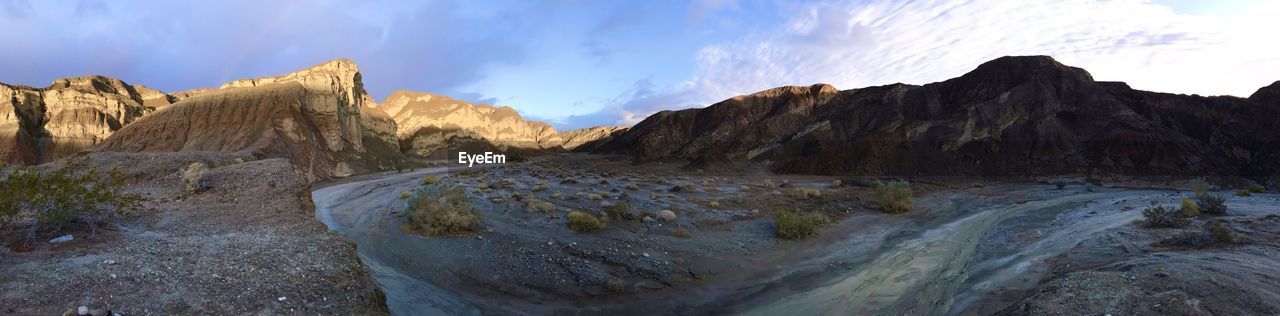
1019,67
820,88
1270,93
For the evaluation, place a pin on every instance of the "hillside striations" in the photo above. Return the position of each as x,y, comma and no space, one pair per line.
1012,116
71,114
428,125
320,118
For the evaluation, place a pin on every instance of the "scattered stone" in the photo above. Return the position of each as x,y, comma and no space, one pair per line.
667,215
62,239
648,219
109,261
83,310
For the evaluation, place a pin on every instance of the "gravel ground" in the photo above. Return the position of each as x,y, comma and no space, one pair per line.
246,245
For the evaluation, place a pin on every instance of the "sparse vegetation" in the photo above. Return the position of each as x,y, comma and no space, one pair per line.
1158,216
1212,204
442,209
768,184
1213,234
536,205
1199,187
805,193
429,180
405,195
792,225
1188,208
1255,188
581,222
63,197
682,233
622,210
1060,183
617,286
1243,192
893,197
194,177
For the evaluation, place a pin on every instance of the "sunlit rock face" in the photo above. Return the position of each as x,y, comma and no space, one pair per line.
320,118
1012,116
427,123
71,114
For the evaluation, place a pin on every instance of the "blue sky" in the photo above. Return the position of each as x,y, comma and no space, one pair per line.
582,63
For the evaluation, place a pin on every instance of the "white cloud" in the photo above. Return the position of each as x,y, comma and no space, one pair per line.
871,43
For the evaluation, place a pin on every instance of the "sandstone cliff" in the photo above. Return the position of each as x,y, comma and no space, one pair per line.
320,118
72,114
428,123
1016,116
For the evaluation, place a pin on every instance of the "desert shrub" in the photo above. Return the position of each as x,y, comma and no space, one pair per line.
617,286
1060,183
238,160
836,183
536,205
194,177
1212,204
1213,234
442,210
682,233
622,210
1188,208
1199,187
1220,233
59,198
1243,192
792,225
429,180
581,222
805,193
405,195
1158,216
1255,188
682,188
768,183
893,197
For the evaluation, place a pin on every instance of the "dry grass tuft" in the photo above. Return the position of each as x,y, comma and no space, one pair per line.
893,197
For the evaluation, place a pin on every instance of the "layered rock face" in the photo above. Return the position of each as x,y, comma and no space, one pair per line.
1013,116
428,124
72,114
585,139
320,118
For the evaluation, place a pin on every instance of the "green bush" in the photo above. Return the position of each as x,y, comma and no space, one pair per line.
1212,204
1254,188
58,198
1158,216
442,210
1189,208
581,222
893,197
792,225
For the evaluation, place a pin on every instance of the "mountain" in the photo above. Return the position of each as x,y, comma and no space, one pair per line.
430,125
71,114
1012,116
587,137
320,118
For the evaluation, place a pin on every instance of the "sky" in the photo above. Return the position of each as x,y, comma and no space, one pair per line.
577,63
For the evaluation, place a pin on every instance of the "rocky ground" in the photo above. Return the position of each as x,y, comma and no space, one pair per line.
247,245
969,247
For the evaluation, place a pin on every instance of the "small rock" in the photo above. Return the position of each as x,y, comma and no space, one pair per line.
99,312
479,237
83,310
667,215
109,261
62,239
282,298
645,254
647,219
69,312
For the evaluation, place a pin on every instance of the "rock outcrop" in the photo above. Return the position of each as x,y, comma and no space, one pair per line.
71,114
584,139
320,118
428,124
1012,116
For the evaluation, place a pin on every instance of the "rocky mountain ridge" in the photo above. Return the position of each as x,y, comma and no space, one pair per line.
1012,116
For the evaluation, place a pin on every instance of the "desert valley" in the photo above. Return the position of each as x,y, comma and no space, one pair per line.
1022,187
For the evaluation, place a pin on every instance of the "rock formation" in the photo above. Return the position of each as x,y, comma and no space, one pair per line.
320,118
586,137
429,123
72,114
1015,116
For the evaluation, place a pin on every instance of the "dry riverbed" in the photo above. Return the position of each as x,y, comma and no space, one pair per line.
967,249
